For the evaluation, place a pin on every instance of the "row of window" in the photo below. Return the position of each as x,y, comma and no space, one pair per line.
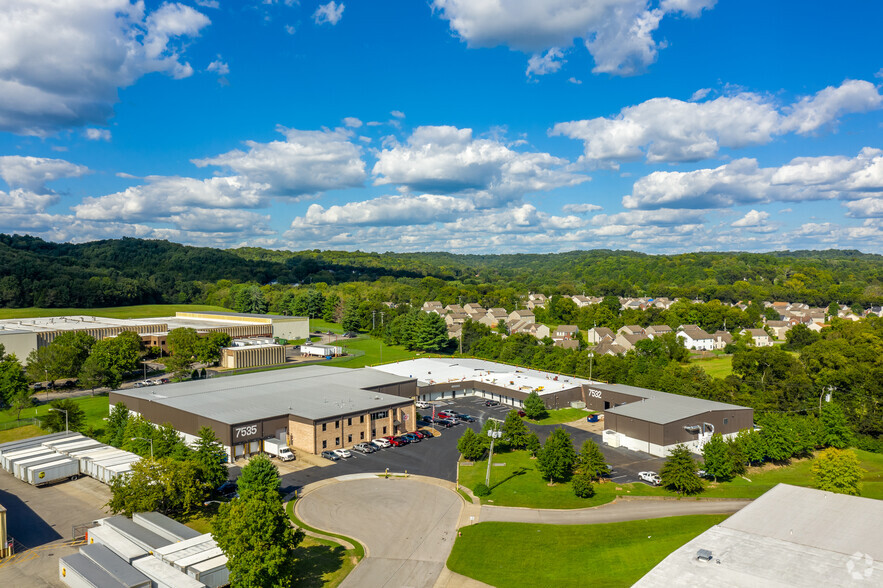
349,422
349,438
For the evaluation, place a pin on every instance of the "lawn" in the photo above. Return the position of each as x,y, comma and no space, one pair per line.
20,433
375,352
95,407
610,554
519,483
318,325
562,415
119,312
718,367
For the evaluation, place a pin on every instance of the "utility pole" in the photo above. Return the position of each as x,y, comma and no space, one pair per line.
146,439
493,433
381,336
591,361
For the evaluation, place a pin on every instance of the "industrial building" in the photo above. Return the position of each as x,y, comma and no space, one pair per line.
21,336
790,536
245,353
635,418
312,408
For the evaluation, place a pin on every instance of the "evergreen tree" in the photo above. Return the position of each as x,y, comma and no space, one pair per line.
533,444
582,485
471,446
717,458
591,461
837,470
432,333
557,457
515,432
679,472
116,425
736,453
209,457
835,428
534,407
259,476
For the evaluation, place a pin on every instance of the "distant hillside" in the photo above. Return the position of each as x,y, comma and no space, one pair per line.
34,272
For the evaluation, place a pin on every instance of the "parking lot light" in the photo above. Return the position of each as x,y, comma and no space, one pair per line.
65,417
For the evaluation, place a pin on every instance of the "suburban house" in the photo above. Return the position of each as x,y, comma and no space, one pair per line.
494,316
695,338
656,330
608,347
598,335
722,339
627,341
759,337
631,330
582,301
433,306
454,309
563,332
522,315
535,300
779,328
567,343
472,308
456,318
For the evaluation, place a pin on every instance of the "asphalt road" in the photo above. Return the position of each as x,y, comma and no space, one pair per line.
407,526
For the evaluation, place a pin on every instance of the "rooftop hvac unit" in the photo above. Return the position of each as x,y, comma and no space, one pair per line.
704,555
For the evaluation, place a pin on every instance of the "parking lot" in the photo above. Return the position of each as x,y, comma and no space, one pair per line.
42,520
437,457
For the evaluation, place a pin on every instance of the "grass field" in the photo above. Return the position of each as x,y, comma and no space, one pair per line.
318,325
374,353
562,415
519,483
119,312
718,367
20,433
613,554
95,407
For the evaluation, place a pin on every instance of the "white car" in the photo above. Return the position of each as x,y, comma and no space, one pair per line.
651,478
342,453
422,404
381,442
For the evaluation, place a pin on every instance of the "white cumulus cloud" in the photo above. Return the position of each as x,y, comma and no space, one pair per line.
61,63
330,13
550,62
94,134
671,130
618,33
33,173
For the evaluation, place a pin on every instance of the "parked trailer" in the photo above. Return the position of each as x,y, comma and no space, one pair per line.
78,455
185,563
108,561
164,576
123,547
164,526
96,466
67,448
62,440
106,471
176,551
113,472
142,537
63,469
32,442
18,468
77,571
212,572
97,455
10,458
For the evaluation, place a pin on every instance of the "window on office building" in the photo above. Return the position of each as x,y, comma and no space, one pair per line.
336,424
362,435
349,422
337,441
324,444
324,426
362,419
349,438
384,430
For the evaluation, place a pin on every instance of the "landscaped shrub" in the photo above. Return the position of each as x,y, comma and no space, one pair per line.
481,489
582,486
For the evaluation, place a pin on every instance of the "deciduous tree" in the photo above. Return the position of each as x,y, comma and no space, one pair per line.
54,420
471,446
515,432
557,457
591,460
13,382
838,470
717,458
835,428
258,476
534,407
209,457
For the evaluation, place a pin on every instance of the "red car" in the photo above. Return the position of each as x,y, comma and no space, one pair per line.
521,413
398,442
421,434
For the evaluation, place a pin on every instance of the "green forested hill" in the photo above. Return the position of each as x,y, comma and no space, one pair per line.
34,272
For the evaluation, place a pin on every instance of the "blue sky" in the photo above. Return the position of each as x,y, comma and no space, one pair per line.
475,126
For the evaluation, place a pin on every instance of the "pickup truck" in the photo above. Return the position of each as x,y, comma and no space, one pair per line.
278,448
651,478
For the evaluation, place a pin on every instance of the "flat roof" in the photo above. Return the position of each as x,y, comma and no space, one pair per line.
790,536
68,323
662,407
439,370
244,315
312,392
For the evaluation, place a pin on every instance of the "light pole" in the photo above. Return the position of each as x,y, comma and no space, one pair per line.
146,439
65,417
591,361
493,433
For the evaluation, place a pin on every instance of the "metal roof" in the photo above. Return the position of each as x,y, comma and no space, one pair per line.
790,536
111,563
312,392
89,571
662,407
271,317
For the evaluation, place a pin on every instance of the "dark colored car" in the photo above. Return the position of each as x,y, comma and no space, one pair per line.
466,417
428,433
411,437
491,403
330,455
427,420
398,441
446,423
228,489
350,334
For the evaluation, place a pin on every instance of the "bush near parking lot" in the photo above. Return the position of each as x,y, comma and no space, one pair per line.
481,489
534,407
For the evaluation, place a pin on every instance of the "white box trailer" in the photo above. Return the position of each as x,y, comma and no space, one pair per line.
144,538
96,466
26,455
63,469
62,440
124,548
114,472
32,442
97,455
67,448
176,551
184,563
120,570
164,526
79,454
212,572
106,472
77,571
17,467
21,454
164,576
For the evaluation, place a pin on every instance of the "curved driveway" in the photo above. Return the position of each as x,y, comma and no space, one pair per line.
407,526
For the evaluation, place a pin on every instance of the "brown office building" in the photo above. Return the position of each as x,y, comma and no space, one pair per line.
312,408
